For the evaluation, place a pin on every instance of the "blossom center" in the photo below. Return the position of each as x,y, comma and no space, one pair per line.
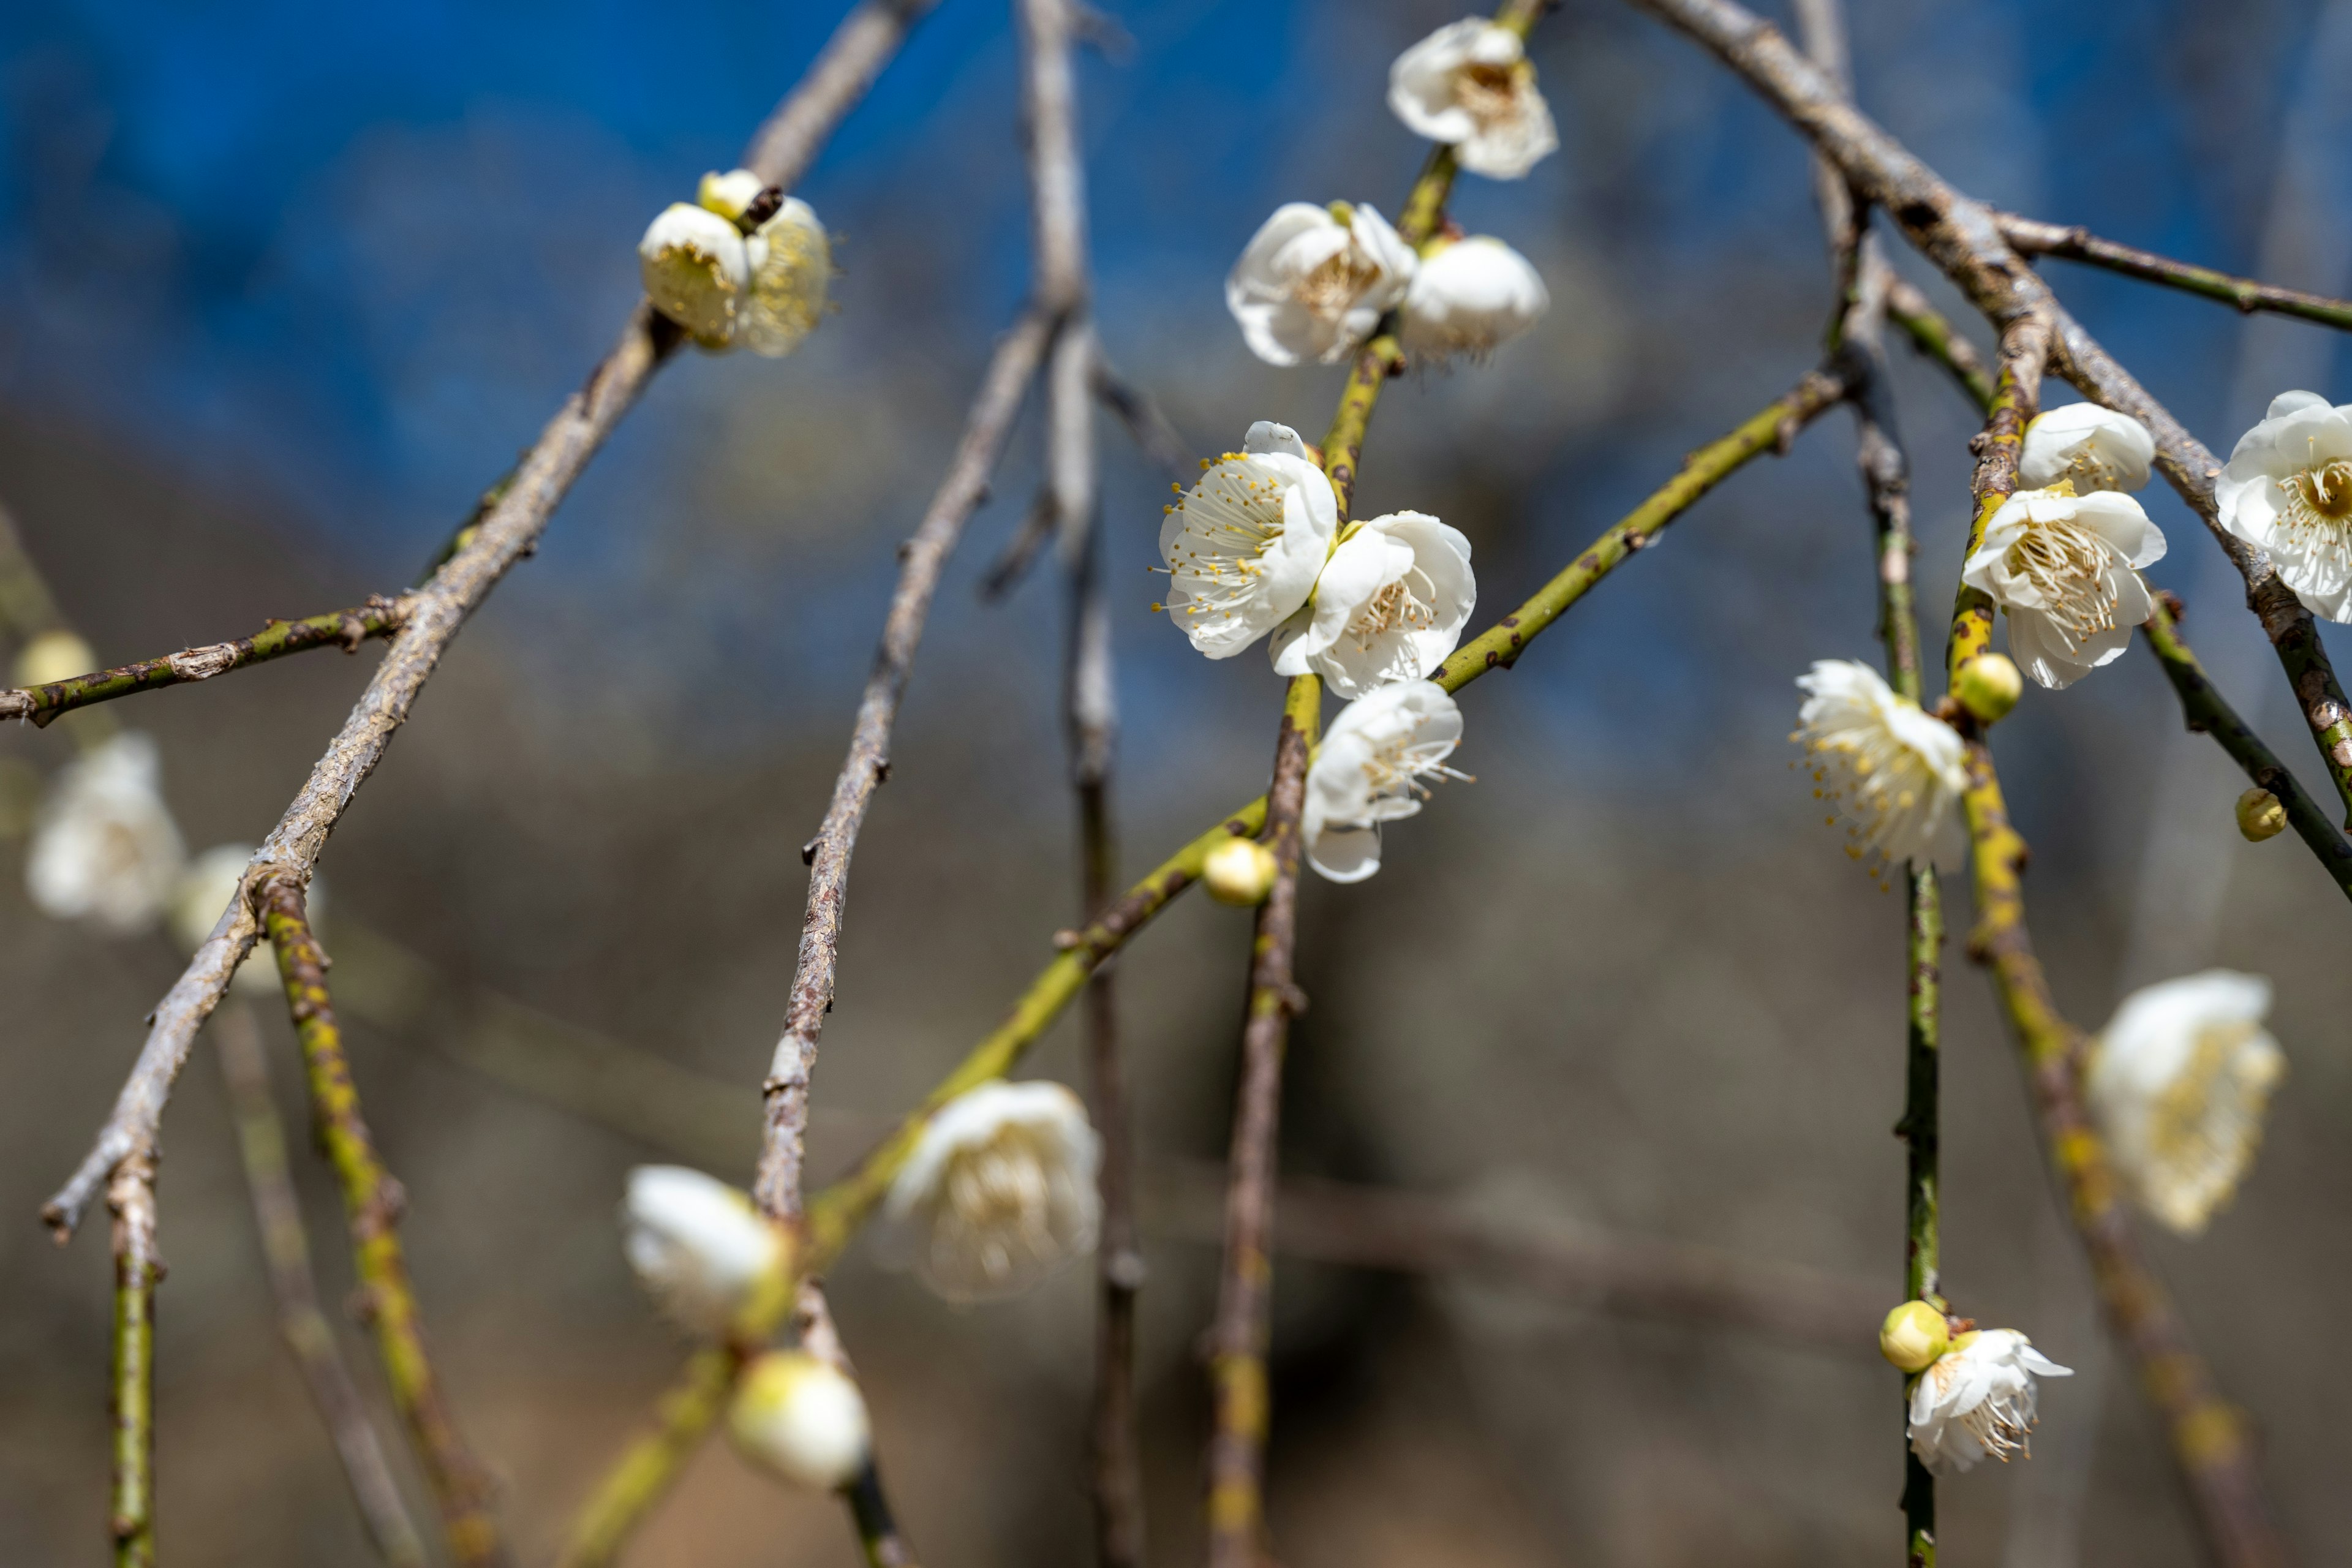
1331,289
999,1192
2087,470
2202,1119
1877,782
1491,92
1230,519
2067,563
2319,500
1400,605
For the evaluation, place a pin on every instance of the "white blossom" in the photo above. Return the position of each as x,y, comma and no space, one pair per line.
1313,282
792,271
2288,490
2177,1082
2091,447
696,270
2065,570
1369,771
696,1243
1470,298
801,1418
1471,84
1245,545
999,1193
204,891
104,846
1390,605
1977,1398
1892,770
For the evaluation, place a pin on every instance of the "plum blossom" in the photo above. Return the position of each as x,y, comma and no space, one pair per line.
802,1419
2287,489
1369,771
1471,84
1893,771
1390,605
1978,1399
2091,447
1313,282
999,1193
1470,298
696,270
105,849
2065,570
696,1243
765,290
2177,1084
1245,545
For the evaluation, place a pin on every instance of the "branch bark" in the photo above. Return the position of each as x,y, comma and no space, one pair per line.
506,534
131,1195
2031,236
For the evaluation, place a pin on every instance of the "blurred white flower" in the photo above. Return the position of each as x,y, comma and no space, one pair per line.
2091,447
2066,568
999,1193
1369,771
1977,1398
696,271
729,194
1314,281
696,1243
792,271
104,846
1390,605
2177,1084
1892,770
204,889
801,1419
1470,298
53,656
1239,871
1470,83
2288,490
1245,545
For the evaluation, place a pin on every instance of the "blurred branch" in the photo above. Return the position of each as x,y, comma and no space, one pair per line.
1153,433
1963,238
131,1195
261,1141
373,1202
878,1535
2031,236
346,629
1239,1338
2203,708
1937,339
25,602
506,534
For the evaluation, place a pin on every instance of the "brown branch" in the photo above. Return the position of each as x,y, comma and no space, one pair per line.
2031,236
508,532
1964,239
1153,433
346,629
285,1247
1245,1295
138,1266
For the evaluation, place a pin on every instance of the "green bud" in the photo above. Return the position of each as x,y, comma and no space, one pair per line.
1913,1335
1239,871
2260,814
1990,686
1342,213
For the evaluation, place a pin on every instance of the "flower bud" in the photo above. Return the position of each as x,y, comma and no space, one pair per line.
2260,814
696,271
1239,871
697,1245
1990,686
729,194
801,1418
1913,1335
53,656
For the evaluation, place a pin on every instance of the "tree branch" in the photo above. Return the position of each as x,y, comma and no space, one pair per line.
2030,236
278,1213
507,533
131,1195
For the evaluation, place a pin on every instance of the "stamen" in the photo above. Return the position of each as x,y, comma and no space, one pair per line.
2069,565
2318,507
1331,289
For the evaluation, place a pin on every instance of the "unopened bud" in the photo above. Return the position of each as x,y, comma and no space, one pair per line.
801,1419
696,1243
2260,814
1913,1335
53,656
1239,871
1990,686
729,194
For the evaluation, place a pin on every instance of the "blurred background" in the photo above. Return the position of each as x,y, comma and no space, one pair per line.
281,289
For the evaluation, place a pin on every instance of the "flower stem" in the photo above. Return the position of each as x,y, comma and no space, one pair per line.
2017,393
373,1202
2033,238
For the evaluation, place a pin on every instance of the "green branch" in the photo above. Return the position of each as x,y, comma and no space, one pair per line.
2077,244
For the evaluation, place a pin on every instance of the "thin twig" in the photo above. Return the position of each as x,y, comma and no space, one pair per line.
1010,371
1937,339
345,629
2031,236
372,1204
1238,1342
1153,432
286,1247
1963,238
131,1195
781,153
